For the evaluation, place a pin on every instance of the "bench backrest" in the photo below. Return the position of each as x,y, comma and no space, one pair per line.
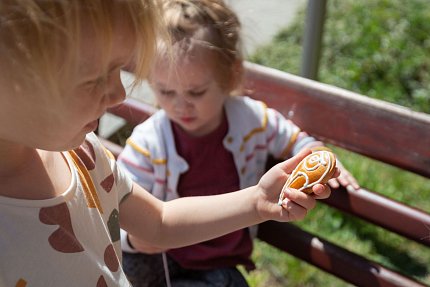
379,130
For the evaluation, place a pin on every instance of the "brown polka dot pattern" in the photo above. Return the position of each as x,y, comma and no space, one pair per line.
111,259
63,239
87,155
101,282
107,183
21,283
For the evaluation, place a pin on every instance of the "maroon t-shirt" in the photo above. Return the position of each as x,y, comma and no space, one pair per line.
211,171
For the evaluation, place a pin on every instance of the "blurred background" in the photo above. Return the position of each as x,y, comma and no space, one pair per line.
378,48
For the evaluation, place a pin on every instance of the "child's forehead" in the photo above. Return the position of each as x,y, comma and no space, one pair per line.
193,51
199,59
99,54
88,69
185,75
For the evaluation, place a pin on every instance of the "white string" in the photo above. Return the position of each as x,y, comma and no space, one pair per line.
166,269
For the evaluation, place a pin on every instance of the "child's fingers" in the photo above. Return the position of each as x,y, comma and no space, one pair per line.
344,180
289,165
297,203
354,183
337,173
304,200
333,183
321,191
294,210
347,180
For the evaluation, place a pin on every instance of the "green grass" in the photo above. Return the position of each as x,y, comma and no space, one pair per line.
376,48
393,251
380,49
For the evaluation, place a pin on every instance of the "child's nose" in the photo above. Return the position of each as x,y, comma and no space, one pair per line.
116,91
118,96
181,103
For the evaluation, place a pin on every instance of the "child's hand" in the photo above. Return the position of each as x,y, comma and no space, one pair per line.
296,203
345,179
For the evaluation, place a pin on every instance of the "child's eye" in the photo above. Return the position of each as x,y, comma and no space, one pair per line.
196,94
167,93
102,81
92,85
96,83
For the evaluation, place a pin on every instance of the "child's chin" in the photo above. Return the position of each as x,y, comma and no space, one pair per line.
65,146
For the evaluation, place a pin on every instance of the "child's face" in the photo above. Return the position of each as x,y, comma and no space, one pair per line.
189,93
60,122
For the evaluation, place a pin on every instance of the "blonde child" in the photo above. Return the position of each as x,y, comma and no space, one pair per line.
62,196
203,141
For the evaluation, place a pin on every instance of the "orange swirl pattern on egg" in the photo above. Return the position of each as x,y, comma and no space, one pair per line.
318,167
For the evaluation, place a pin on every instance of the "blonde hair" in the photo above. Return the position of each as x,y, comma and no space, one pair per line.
211,24
39,39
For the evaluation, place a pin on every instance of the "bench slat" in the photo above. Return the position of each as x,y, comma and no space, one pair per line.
331,258
383,131
382,211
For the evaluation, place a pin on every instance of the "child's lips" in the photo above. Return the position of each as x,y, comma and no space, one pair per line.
187,119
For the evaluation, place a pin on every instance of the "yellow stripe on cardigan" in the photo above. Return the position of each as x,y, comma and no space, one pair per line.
287,150
108,153
256,130
145,152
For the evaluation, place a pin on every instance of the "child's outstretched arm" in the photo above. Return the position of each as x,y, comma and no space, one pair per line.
190,220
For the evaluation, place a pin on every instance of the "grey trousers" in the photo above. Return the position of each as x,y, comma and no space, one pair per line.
145,270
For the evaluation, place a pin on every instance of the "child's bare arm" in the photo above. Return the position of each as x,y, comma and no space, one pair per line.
194,219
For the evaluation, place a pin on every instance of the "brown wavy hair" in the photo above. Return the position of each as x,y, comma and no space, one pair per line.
211,24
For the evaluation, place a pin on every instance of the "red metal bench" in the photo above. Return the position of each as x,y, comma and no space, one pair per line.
376,129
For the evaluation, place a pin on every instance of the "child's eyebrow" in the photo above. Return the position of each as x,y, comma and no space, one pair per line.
200,86
160,85
90,73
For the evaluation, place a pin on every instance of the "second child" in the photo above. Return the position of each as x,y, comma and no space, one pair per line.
203,141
